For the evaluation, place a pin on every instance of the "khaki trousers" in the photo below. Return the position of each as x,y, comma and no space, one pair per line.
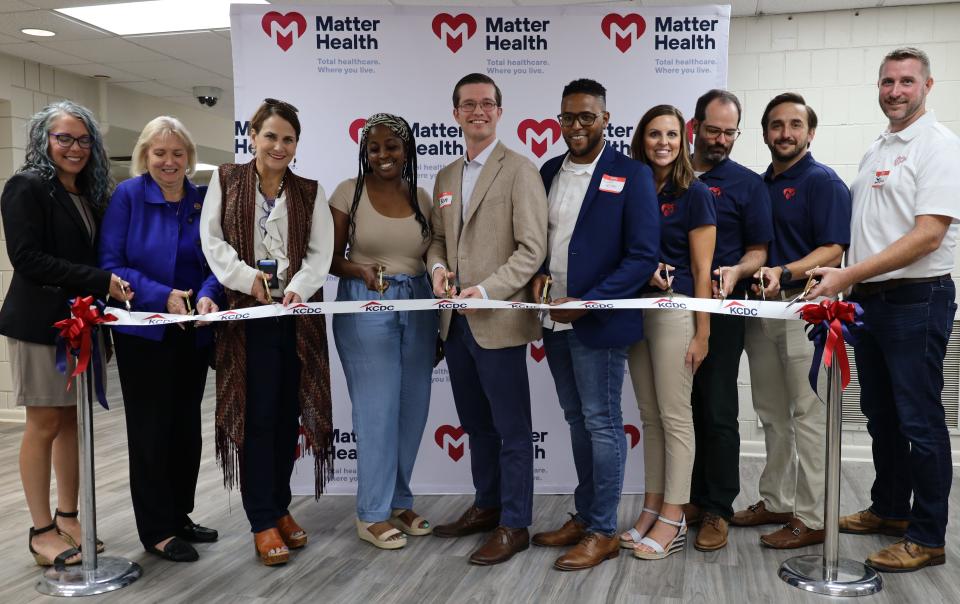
662,384
794,419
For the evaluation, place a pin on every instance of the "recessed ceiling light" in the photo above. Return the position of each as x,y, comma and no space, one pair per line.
42,33
157,16
100,76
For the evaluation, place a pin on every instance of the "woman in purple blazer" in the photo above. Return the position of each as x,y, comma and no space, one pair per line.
150,237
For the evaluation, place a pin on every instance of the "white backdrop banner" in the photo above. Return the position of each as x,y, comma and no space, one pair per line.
339,65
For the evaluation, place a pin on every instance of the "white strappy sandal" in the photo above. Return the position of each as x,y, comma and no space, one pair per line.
660,552
634,534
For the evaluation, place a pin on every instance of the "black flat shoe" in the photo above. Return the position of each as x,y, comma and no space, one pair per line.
197,534
176,550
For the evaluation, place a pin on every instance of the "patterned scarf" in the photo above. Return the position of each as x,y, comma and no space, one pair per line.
239,184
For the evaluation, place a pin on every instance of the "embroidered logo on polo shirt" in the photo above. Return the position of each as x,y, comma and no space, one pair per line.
900,159
788,193
716,191
667,209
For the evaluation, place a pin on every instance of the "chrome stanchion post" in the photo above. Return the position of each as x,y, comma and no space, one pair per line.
96,574
830,574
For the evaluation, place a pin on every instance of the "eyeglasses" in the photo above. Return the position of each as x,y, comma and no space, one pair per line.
66,140
281,104
714,132
471,106
584,117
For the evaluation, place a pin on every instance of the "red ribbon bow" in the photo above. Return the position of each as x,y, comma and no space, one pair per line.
832,317
76,331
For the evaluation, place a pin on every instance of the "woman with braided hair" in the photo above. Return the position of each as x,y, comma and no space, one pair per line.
387,357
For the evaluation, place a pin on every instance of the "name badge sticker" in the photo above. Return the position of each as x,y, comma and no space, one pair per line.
612,184
880,178
446,198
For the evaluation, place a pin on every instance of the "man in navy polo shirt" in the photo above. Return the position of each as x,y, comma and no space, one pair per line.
811,222
744,230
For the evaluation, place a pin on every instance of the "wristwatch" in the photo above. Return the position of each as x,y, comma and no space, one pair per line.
785,275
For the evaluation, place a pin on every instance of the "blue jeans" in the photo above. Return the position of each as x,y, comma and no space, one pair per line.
589,382
388,362
900,364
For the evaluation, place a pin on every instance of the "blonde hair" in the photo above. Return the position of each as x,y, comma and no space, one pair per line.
160,126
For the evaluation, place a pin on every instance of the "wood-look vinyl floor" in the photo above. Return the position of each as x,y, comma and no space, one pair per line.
337,567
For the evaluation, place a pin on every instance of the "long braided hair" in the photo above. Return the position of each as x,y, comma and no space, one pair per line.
401,128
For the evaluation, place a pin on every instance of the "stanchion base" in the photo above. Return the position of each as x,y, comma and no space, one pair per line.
111,573
809,573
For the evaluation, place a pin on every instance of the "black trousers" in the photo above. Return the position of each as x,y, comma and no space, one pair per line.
272,423
162,384
715,401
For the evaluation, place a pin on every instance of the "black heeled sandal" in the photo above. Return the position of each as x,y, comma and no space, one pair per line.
60,562
67,537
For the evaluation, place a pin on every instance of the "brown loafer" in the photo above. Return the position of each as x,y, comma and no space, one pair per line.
692,513
865,522
712,534
474,520
792,535
591,551
501,546
570,533
905,556
758,514
291,533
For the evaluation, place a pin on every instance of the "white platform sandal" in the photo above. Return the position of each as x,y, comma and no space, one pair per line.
660,552
634,534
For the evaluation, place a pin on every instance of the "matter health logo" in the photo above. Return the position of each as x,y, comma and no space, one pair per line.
537,352
623,29
355,127
633,434
538,135
454,30
284,29
452,440
788,193
667,209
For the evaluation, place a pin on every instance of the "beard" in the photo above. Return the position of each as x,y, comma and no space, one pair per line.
712,154
786,156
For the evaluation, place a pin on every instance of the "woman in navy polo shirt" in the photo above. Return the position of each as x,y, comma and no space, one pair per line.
150,237
675,341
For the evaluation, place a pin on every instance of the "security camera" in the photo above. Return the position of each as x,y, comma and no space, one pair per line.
207,95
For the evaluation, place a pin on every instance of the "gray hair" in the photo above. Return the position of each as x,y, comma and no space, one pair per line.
908,52
94,181
160,126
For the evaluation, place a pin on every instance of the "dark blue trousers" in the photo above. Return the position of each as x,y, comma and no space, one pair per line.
272,420
900,365
492,396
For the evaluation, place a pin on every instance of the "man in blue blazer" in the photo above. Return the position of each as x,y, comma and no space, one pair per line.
603,244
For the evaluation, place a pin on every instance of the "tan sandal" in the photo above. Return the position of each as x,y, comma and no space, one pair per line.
388,539
270,540
416,527
293,536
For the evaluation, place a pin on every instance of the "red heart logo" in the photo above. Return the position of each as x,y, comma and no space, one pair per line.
690,131
628,28
716,191
633,434
789,192
537,352
667,209
283,29
355,127
540,134
450,29
450,439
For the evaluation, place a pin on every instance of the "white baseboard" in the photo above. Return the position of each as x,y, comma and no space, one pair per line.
14,416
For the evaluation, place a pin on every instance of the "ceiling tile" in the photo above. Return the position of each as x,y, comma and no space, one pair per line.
94,69
153,89
163,69
41,54
106,50
204,49
64,27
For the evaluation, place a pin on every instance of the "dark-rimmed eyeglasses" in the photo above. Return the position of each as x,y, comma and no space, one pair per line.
66,140
282,104
471,106
584,117
714,132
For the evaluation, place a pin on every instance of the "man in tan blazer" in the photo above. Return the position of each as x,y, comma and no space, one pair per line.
489,239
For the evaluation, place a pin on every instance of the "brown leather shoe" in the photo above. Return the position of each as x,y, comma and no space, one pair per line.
758,514
501,546
593,549
474,520
692,513
905,556
865,522
792,535
570,533
712,534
